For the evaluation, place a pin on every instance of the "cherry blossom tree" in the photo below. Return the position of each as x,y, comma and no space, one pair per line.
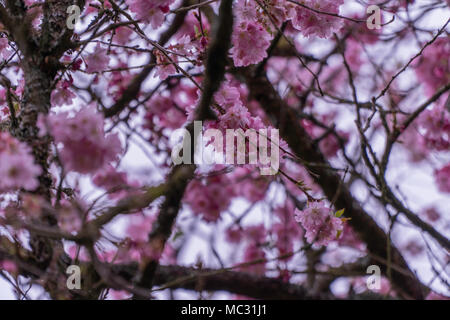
90,104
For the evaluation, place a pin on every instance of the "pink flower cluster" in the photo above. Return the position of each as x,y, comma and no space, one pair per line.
62,95
320,224
17,167
252,186
329,144
254,238
86,148
286,230
436,126
70,216
431,214
210,197
350,239
443,178
250,42
415,144
434,66
317,23
136,246
236,114
185,47
98,60
252,31
114,181
161,110
9,266
150,11
255,26
5,53
109,178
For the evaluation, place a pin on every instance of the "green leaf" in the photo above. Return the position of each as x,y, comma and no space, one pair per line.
16,106
177,235
339,213
197,32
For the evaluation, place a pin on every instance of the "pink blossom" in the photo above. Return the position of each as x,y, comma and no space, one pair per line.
210,197
234,234
255,190
119,295
62,95
139,227
250,42
353,53
169,255
235,117
227,96
253,186
5,52
17,167
434,65
414,248
436,125
246,11
86,148
165,67
161,110
122,35
4,112
150,11
442,177
256,233
286,230
249,10
436,296
415,144
80,252
330,145
32,205
311,23
114,181
360,32
98,60
70,216
136,247
191,26
255,256
110,178
350,238
431,214
9,266
320,224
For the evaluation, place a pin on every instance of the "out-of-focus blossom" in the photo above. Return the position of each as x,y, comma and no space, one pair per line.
98,60
17,166
434,65
442,177
62,95
86,148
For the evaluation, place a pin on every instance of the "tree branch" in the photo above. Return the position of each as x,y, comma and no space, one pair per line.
303,146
